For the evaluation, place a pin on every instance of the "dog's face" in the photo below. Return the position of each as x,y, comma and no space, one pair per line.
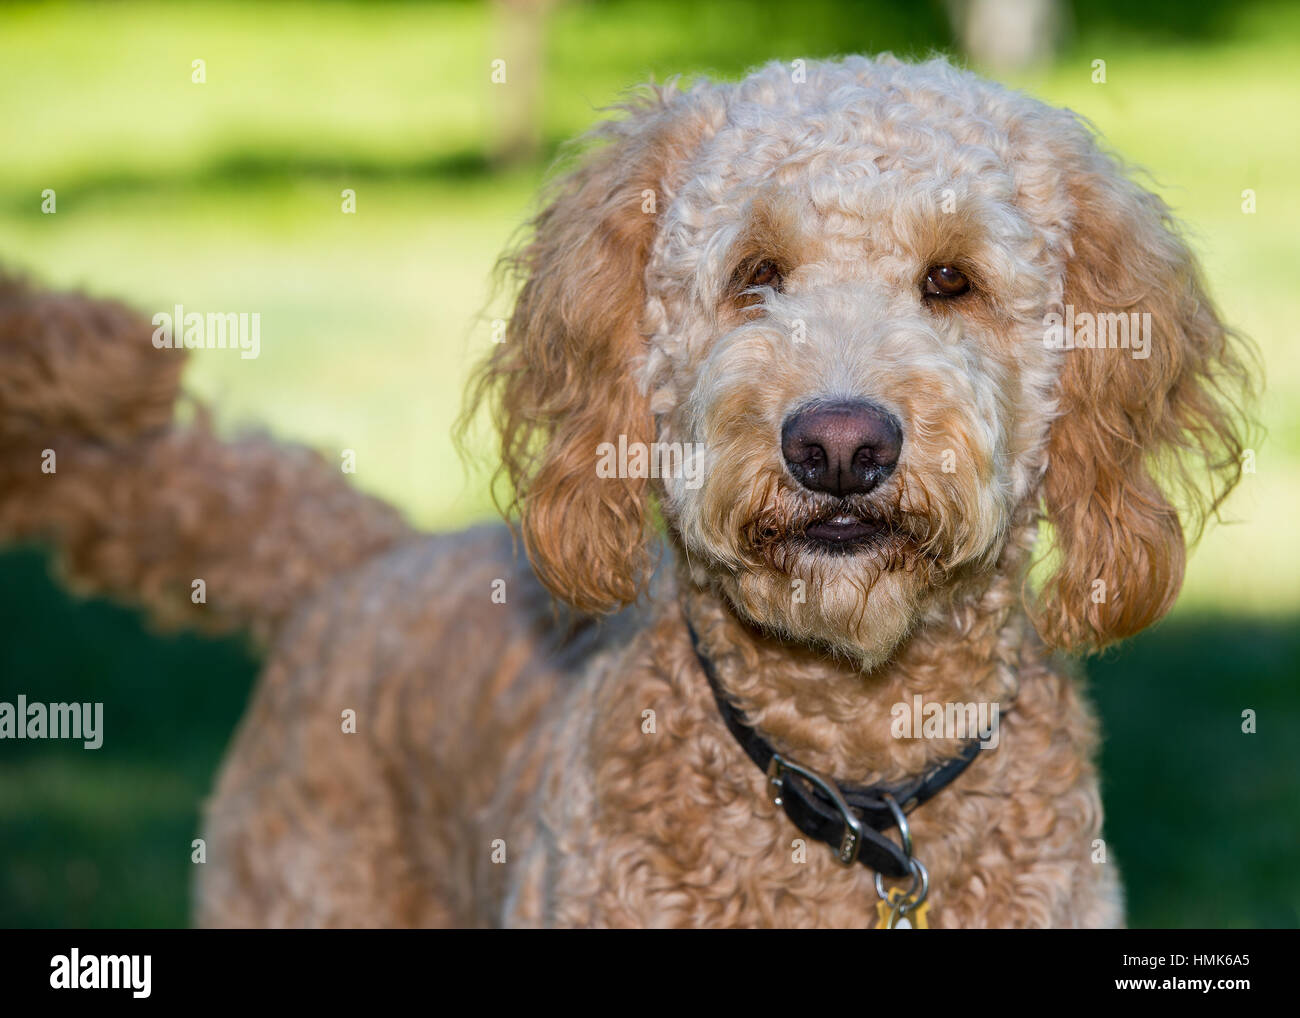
847,309
821,304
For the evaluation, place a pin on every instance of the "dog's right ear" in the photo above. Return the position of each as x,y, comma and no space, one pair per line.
563,381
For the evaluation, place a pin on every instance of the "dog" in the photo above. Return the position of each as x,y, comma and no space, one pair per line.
799,370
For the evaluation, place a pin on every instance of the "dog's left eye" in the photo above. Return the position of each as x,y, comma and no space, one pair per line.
765,272
945,281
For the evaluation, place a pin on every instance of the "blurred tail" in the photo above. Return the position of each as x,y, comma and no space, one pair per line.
141,508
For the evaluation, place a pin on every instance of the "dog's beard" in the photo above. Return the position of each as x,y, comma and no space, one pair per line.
849,574
896,552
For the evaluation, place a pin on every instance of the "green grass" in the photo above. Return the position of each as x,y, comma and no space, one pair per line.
227,195
102,837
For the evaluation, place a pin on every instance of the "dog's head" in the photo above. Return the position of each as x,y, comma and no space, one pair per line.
851,326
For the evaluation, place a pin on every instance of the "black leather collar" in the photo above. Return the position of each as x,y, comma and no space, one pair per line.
851,819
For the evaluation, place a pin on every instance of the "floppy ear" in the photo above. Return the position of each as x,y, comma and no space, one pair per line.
1143,446
563,382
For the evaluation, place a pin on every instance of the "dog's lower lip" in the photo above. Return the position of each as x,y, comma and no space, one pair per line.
842,530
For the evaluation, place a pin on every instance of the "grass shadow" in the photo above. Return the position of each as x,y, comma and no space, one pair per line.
1203,818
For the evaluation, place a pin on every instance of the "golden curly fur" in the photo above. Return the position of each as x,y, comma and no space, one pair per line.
503,771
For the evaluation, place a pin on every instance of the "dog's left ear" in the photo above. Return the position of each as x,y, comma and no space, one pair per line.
1148,440
563,383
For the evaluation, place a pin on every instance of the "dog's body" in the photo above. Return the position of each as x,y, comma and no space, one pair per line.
835,287
582,817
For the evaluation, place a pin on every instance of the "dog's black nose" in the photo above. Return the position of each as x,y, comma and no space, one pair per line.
841,448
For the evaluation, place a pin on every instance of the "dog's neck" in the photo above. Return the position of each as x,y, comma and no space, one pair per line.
830,715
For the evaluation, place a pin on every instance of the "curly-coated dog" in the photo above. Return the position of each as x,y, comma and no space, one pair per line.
799,368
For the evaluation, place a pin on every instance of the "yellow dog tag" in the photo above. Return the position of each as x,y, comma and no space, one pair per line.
914,920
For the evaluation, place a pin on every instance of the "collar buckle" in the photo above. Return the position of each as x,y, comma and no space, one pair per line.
851,840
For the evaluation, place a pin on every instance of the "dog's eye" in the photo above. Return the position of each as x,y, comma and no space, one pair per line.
945,281
765,273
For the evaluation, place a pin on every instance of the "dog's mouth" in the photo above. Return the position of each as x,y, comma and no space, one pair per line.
789,528
845,532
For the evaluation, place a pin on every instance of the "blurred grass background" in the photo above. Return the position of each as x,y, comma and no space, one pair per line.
226,195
